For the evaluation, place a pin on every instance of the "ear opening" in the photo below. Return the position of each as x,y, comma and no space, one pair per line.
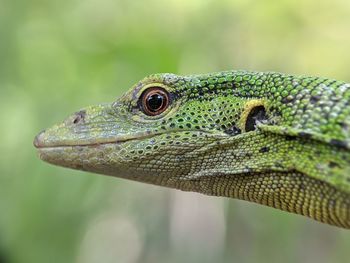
254,112
255,115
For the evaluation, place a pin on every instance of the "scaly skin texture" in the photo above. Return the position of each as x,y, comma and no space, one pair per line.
274,139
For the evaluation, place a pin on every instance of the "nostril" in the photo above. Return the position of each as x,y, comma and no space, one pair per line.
79,116
76,119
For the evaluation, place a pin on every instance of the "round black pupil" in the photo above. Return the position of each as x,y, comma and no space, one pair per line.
155,102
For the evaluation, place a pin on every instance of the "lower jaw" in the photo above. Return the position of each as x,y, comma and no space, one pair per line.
76,156
102,159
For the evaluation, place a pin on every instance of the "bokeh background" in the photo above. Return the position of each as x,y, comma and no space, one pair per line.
57,56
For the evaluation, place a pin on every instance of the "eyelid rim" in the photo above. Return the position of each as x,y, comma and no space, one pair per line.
148,92
138,92
141,117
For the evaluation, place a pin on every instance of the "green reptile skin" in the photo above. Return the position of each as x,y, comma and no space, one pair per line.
270,138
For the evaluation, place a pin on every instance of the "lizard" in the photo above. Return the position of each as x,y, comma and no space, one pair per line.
266,137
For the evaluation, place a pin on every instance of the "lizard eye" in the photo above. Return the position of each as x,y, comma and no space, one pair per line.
154,101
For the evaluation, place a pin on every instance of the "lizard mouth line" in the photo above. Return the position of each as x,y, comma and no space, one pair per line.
92,144
39,144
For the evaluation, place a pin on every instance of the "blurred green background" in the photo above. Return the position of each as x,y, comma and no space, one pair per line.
57,56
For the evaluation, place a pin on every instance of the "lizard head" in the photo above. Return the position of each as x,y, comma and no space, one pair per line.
274,139
155,132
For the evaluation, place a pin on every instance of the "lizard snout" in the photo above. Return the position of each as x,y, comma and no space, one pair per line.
38,140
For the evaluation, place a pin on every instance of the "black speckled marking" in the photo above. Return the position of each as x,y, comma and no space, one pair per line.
305,135
233,130
264,149
339,143
314,99
332,164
